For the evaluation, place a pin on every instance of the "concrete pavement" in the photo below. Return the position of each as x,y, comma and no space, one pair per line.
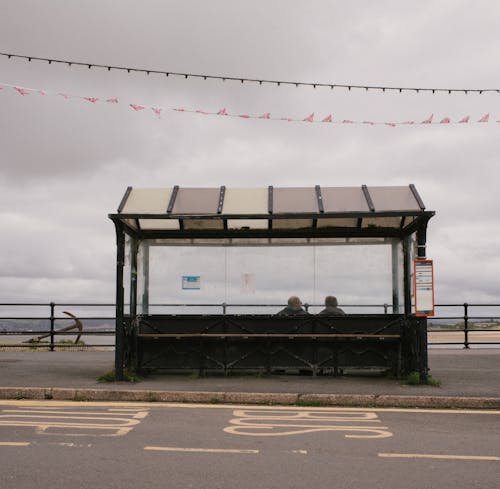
469,379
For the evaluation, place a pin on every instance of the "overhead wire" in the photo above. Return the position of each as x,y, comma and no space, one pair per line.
260,81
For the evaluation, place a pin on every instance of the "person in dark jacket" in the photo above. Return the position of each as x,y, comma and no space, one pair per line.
331,307
294,307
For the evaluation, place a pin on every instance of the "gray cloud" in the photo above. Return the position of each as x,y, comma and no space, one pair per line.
65,164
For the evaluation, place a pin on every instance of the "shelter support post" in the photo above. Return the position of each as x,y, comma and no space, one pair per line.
134,246
407,264
144,254
396,280
421,240
423,356
120,261
421,253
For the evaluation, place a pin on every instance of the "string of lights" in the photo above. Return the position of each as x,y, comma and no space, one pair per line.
260,81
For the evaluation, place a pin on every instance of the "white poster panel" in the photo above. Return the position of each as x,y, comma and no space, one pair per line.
424,288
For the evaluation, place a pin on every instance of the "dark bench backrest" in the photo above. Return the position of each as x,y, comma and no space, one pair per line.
306,324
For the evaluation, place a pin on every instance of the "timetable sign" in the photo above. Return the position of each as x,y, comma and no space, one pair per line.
424,287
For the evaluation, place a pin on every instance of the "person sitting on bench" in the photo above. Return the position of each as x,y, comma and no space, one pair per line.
294,307
331,307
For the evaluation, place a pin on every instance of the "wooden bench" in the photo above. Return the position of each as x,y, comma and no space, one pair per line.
273,343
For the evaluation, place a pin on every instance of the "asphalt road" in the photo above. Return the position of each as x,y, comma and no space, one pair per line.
54,445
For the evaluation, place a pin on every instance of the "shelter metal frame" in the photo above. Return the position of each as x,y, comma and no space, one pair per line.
306,226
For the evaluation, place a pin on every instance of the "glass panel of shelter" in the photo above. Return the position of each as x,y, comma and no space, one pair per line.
360,273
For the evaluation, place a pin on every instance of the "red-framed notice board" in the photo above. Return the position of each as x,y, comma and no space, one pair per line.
424,287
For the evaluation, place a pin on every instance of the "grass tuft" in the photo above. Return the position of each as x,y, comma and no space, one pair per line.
128,376
413,378
311,403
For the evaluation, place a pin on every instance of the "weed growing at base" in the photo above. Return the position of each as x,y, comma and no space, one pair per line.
128,376
414,379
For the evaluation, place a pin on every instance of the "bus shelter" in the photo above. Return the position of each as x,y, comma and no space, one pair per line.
203,224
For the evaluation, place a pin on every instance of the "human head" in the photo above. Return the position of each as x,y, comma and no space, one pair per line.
294,302
331,301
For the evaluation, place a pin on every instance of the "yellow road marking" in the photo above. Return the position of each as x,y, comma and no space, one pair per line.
438,456
82,413
300,415
14,443
379,432
255,422
201,450
58,420
138,405
111,421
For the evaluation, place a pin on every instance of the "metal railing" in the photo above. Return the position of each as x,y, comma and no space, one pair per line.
475,324
23,323
465,325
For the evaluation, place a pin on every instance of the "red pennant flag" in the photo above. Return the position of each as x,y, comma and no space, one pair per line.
429,120
21,91
328,119
465,120
309,118
113,100
157,111
222,112
446,120
137,107
485,118
92,100
244,116
267,115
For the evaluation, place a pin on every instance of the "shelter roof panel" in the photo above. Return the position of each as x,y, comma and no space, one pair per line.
147,201
294,199
344,199
247,223
203,224
393,198
385,222
155,224
292,223
132,223
272,212
340,222
196,201
245,201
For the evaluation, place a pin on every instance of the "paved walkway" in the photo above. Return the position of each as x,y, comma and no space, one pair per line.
469,379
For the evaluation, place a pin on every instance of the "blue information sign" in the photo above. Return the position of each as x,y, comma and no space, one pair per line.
191,282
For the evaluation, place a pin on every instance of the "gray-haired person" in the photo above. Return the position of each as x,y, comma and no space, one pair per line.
294,307
332,307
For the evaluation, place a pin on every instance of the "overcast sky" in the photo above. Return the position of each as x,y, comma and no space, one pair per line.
65,164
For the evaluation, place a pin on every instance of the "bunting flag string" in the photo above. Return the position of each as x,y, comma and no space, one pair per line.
260,81
310,119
